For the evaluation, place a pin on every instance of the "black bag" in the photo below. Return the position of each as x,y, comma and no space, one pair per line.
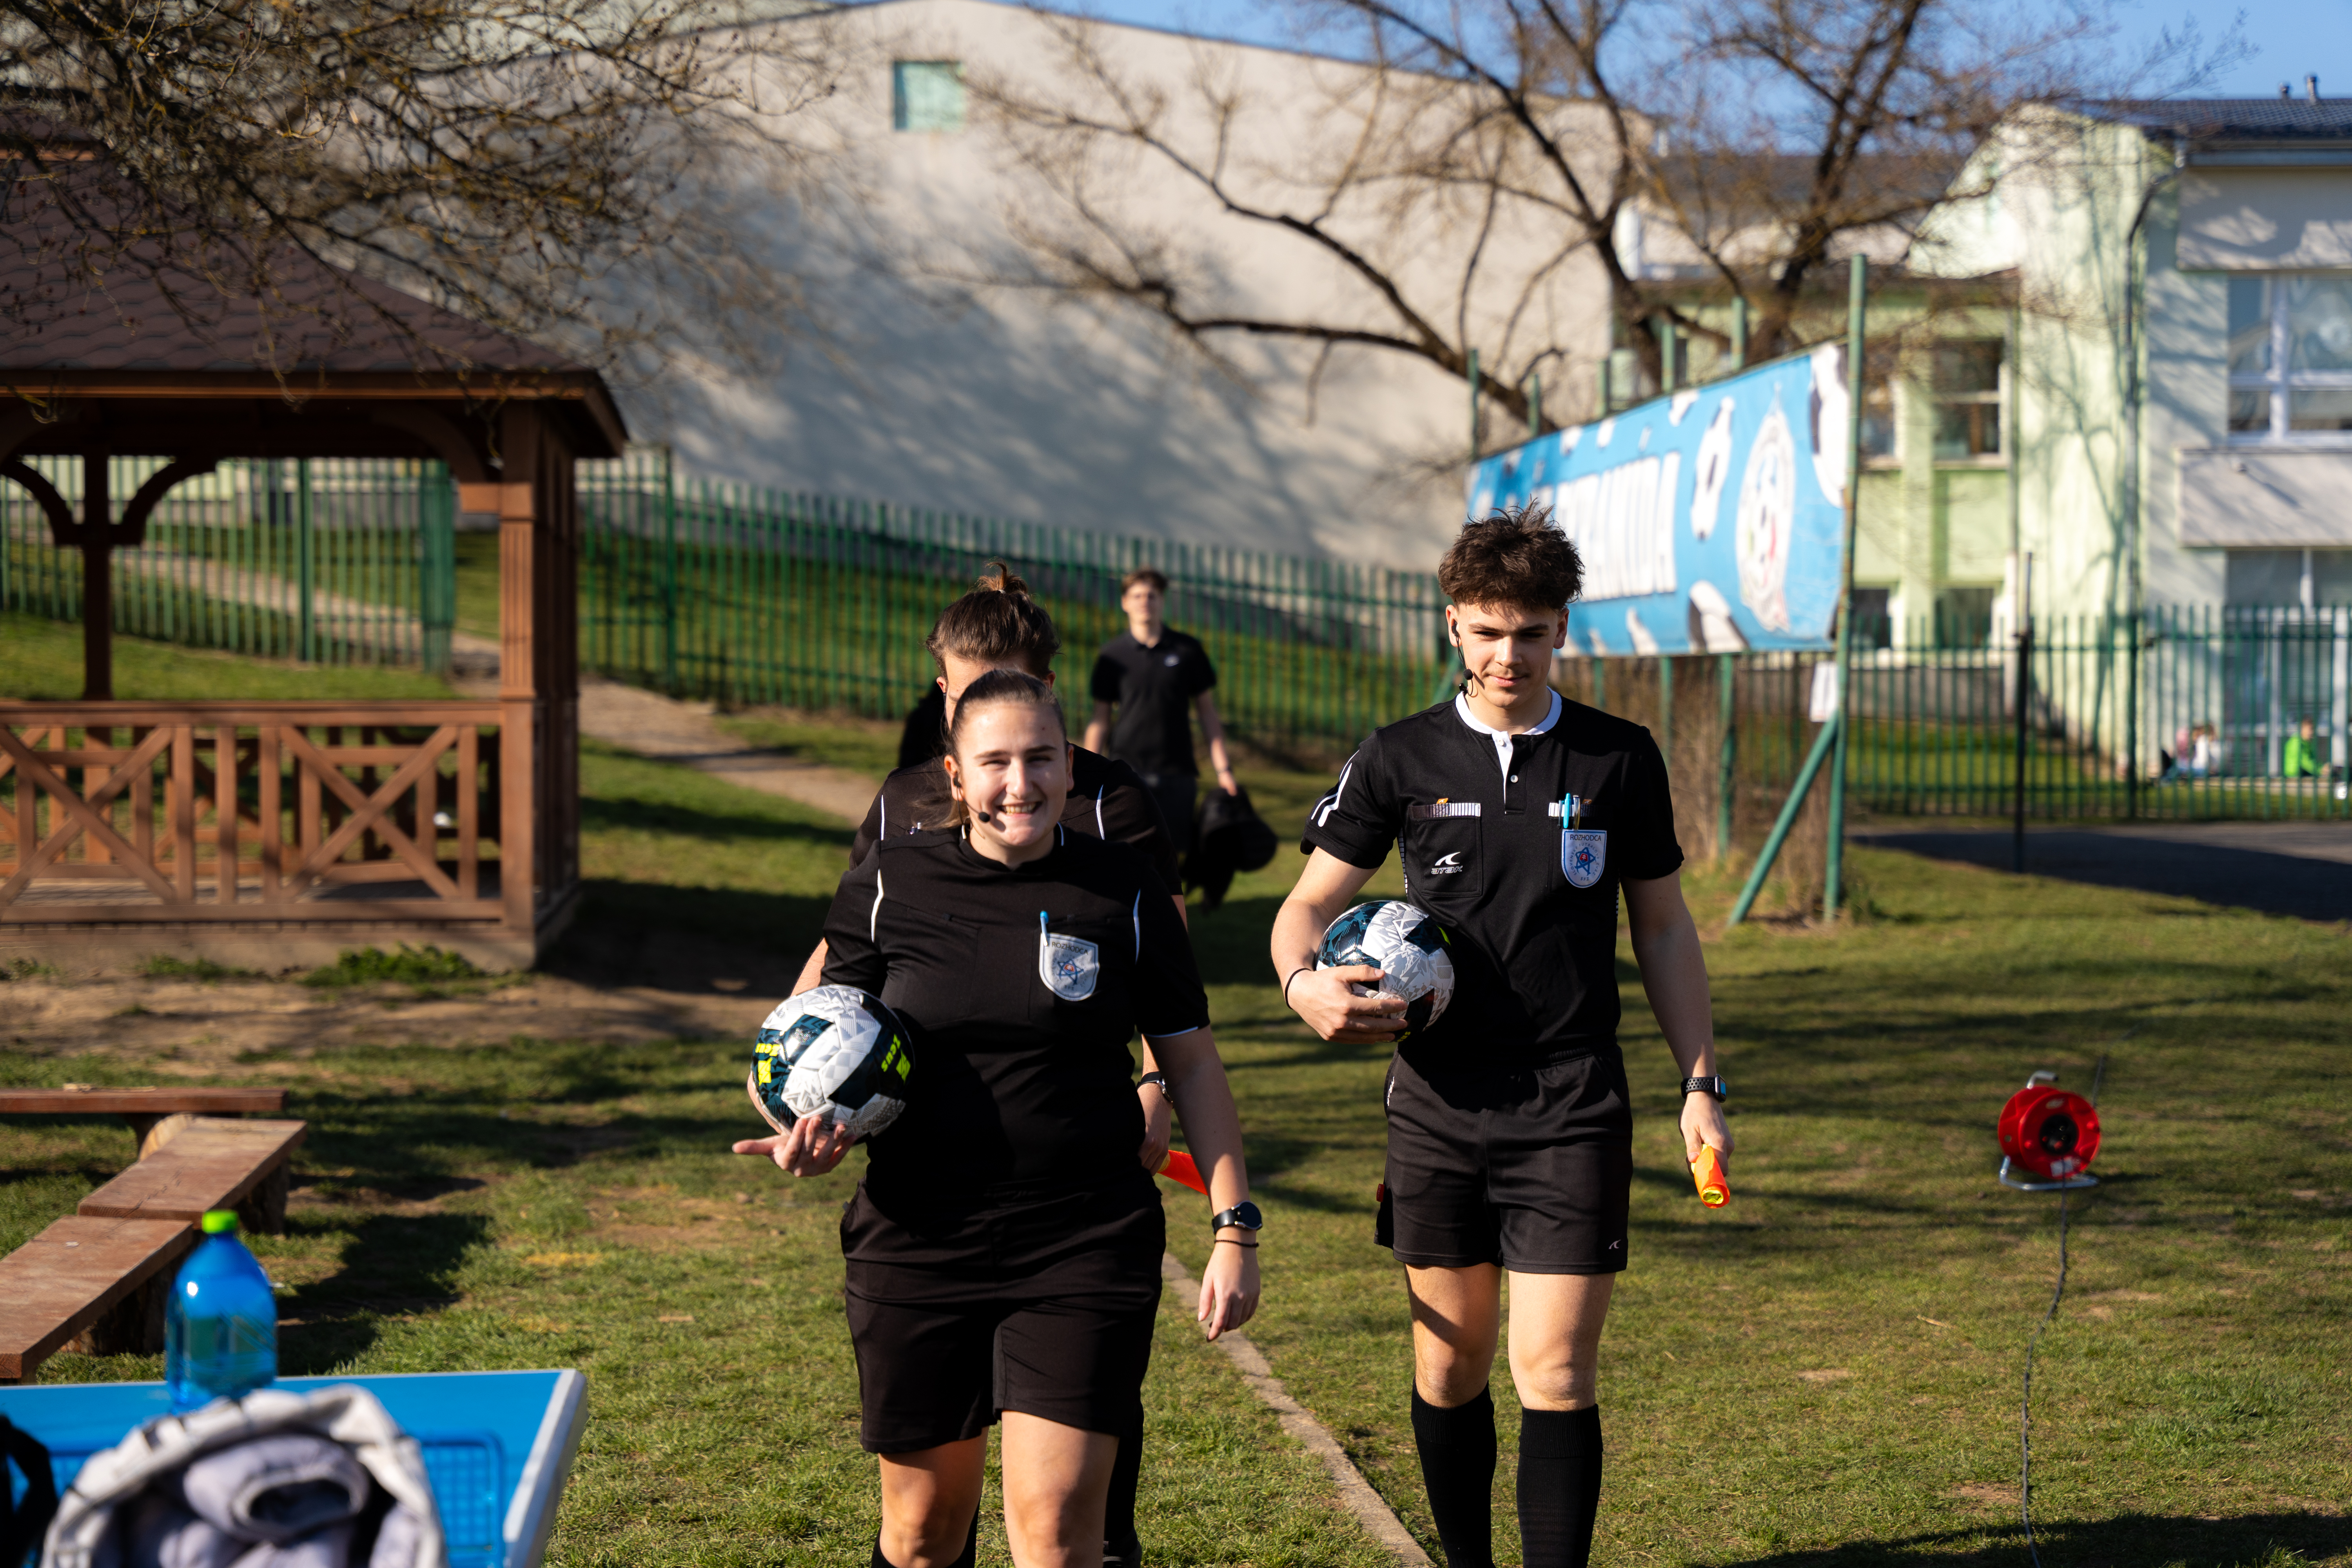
1228,837
24,1522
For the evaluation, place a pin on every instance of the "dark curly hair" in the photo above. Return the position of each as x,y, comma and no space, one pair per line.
1513,556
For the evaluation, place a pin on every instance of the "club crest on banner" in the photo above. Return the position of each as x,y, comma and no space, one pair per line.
1068,966
1583,855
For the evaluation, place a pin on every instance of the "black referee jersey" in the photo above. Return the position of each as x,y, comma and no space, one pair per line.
1020,987
1107,800
1517,848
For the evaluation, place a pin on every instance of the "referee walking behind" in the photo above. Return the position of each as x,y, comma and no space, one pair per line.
1518,818
1146,682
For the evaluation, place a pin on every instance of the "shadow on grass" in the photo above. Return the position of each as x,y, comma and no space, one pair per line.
2249,1540
688,939
394,1266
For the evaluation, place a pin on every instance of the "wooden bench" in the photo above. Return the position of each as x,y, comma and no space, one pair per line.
211,1163
154,1114
88,1284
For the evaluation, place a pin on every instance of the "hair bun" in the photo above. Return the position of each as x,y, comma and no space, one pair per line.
998,578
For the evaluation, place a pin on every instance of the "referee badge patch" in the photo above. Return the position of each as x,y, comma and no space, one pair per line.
1067,965
1583,855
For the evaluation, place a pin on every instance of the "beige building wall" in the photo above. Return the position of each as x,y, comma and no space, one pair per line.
934,379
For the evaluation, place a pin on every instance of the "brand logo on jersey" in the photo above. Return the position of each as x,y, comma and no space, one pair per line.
1448,865
1068,966
1583,855
1172,660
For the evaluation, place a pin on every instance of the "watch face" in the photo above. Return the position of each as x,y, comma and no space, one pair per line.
1245,1216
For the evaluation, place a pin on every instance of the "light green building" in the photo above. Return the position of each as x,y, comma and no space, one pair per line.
2128,360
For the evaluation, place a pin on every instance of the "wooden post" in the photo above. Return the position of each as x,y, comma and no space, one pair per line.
96,583
518,673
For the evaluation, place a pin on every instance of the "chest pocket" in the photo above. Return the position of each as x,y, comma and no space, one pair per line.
1441,849
1583,845
1070,966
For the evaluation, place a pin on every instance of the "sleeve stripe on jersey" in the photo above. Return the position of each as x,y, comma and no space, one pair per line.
1100,831
874,915
1173,1033
1138,913
882,816
1330,803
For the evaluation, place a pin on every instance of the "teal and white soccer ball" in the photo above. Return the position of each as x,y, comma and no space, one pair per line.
1407,946
835,1052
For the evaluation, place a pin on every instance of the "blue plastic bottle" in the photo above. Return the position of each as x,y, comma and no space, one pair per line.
220,1333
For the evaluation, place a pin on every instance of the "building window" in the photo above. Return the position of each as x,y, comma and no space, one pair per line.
2312,579
1965,379
927,95
2290,357
1878,422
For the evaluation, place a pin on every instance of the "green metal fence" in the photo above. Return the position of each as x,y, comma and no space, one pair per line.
753,596
337,562
757,596
2182,712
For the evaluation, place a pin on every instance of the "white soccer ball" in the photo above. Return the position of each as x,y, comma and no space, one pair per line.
1407,946
835,1052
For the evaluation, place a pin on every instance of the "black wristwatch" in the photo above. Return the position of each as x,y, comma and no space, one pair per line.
1713,1086
1243,1214
1158,1081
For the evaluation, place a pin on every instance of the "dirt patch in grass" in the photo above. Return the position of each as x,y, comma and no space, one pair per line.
194,1029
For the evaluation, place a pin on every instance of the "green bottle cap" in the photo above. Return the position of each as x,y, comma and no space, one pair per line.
219,1221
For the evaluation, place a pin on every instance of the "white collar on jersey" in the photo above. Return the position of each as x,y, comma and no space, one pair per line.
1502,737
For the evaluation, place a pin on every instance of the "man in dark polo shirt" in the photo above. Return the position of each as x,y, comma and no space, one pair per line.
1147,682
1520,819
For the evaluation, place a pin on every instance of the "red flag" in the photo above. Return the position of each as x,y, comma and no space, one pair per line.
1179,1167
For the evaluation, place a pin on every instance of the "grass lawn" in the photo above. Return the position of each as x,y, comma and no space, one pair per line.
1823,1374
40,660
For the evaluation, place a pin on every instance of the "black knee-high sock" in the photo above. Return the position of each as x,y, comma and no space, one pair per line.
968,1558
1457,1466
1119,1542
1560,1485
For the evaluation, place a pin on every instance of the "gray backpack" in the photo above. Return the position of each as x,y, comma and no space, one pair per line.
277,1479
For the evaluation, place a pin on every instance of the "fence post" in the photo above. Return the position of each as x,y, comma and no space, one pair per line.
2131,716
306,621
1833,879
1666,710
437,590
2024,702
1728,774
669,575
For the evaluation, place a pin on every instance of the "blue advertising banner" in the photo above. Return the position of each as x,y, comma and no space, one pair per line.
1709,522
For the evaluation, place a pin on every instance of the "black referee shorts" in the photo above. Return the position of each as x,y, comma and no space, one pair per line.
1047,1309
1527,1166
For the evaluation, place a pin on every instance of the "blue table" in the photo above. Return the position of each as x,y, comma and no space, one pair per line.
498,1445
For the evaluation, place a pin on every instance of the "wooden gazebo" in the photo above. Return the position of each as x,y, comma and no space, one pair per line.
272,834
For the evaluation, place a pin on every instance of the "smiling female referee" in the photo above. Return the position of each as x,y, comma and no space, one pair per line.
1003,1249
1518,818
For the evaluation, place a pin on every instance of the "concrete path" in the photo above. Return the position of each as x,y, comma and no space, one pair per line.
2301,869
653,725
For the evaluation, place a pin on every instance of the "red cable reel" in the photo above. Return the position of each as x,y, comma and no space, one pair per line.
2048,1136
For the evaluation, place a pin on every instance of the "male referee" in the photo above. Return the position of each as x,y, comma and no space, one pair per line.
1518,817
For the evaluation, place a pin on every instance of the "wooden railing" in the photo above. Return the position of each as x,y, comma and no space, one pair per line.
244,810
